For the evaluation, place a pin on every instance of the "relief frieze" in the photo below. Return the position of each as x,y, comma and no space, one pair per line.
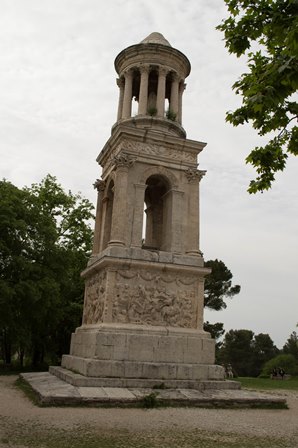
94,299
142,297
151,150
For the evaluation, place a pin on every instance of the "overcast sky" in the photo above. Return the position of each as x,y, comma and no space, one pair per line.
58,102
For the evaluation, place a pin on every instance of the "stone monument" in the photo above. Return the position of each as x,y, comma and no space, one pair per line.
144,284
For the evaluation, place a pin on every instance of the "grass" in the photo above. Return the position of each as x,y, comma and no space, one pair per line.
28,391
268,384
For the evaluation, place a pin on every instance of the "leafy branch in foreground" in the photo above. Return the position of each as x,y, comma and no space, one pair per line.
268,89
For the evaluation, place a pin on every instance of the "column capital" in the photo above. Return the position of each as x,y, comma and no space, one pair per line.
120,82
193,175
99,185
182,86
123,160
144,68
163,71
175,77
128,73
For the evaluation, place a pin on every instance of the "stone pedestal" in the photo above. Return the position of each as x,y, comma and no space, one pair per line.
143,320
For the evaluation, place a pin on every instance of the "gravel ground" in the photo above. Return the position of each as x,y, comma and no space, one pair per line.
17,411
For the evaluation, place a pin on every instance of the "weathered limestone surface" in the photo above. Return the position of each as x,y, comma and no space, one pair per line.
52,390
144,283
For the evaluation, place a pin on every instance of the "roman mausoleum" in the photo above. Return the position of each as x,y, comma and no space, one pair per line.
144,284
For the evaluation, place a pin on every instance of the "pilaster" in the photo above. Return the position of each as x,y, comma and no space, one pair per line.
100,186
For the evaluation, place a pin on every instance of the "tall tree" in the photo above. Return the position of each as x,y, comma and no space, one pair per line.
291,346
268,88
45,236
218,287
237,351
247,352
263,350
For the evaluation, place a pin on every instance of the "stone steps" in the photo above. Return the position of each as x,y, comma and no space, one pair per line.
53,391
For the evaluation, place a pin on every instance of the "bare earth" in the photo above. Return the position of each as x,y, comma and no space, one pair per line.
17,410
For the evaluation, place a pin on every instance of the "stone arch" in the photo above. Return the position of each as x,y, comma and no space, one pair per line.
110,178
162,171
158,208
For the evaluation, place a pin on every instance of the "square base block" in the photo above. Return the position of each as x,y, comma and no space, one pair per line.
142,352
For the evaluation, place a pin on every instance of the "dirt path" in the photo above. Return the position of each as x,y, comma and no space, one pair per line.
16,411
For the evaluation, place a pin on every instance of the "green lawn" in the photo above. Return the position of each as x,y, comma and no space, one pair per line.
267,383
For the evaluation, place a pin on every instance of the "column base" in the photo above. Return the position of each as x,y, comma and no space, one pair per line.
116,243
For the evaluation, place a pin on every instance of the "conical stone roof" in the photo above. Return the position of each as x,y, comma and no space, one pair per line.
156,38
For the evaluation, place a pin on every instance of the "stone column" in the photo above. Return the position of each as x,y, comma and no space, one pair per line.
100,186
138,213
126,111
161,91
119,221
181,90
120,83
193,240
174,94
143,94
103,238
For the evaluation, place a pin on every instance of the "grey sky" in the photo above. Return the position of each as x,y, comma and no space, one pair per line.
58,101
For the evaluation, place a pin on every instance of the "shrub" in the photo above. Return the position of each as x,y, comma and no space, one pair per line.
287,362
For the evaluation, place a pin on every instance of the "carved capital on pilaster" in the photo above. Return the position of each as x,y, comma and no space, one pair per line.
99,185
123,160
194,175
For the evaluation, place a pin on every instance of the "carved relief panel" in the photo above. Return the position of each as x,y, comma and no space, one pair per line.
95,288
149,298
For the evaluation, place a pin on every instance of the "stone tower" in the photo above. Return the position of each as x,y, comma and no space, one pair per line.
144,284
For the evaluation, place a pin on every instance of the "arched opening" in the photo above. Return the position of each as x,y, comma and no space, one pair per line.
108,207
157,211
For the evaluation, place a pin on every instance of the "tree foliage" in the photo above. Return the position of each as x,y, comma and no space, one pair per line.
218,285
291,346
246,352
286,361
268,88
45,238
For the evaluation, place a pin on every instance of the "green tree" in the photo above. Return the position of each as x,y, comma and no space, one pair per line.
237,351
291,346
268,88
246,352
45,237
263,350
218,287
